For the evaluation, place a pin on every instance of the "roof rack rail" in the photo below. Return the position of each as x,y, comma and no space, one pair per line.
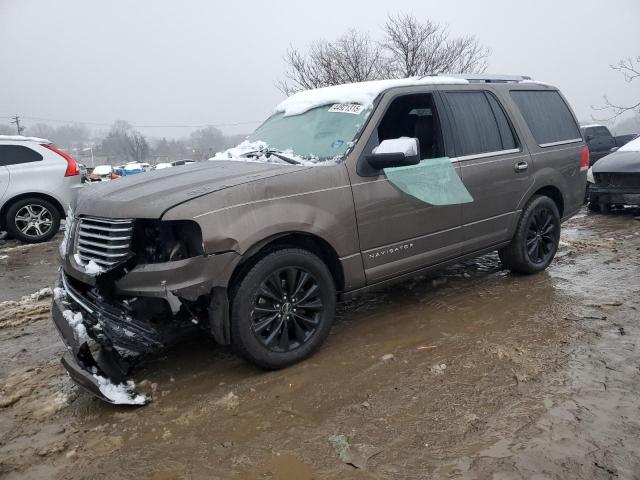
488,78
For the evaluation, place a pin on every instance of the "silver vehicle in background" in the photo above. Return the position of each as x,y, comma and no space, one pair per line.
37,183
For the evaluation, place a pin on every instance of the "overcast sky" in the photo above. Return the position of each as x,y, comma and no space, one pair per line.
190,62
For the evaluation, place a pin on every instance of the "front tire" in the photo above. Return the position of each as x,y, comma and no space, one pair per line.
33,220
536,239
282,309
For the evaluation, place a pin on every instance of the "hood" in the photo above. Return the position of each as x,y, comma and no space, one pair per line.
149,195
618,162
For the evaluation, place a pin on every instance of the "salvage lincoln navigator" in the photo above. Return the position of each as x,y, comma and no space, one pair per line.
342,189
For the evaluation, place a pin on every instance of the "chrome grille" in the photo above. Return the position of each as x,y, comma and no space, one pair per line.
104,240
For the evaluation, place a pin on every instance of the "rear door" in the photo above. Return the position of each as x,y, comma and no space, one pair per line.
494,165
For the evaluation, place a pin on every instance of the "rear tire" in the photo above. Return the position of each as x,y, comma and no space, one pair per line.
33,220
282,309
536,239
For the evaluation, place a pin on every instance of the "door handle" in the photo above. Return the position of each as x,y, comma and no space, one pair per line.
521,166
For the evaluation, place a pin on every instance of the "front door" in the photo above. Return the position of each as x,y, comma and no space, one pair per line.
399,233
493,163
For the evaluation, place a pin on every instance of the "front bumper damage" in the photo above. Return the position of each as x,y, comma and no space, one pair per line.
111,321
102,344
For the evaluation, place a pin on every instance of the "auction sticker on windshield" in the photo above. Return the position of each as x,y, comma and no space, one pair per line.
353,108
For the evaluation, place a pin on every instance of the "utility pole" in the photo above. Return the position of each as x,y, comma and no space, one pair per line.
16,120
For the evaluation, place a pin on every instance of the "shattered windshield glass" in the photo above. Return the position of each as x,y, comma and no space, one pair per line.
320,134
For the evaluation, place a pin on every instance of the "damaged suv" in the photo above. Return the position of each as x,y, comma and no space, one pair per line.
341,190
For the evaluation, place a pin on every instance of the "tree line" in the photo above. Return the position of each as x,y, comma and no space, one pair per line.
122,143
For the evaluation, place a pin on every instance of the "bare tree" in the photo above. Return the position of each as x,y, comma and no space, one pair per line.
353,57
409,48
124,143
418,48
630,68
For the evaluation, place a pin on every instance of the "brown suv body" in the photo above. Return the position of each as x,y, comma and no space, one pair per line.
365,230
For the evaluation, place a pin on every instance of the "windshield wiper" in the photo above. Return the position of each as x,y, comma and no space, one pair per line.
276,153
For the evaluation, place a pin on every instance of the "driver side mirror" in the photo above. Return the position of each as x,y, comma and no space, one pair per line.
396,152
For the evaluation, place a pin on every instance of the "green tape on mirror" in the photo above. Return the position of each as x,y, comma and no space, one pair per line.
434,181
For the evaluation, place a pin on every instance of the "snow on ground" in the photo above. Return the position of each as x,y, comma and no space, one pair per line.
363,93
121,394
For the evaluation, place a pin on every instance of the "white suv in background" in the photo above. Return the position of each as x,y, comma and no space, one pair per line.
37,182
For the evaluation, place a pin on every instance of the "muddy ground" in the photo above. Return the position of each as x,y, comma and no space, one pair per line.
470,373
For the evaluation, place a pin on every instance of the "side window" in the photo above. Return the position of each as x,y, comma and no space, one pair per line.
15,154
475,125
506,132
547,116
414,116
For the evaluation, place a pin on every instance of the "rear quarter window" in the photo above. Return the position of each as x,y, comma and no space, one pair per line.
16,154
547,116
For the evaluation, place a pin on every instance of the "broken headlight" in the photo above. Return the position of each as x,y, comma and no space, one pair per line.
155,241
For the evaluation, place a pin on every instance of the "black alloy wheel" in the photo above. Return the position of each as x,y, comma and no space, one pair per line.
541,235
282,308
287,310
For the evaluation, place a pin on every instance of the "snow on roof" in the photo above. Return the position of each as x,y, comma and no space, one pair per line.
632,146
21,138
363,93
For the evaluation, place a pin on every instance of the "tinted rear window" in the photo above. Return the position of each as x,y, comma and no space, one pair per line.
479,123
547,116
598,132
14,154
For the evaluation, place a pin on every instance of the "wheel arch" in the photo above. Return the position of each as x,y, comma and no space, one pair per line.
297,239
7,205
554,194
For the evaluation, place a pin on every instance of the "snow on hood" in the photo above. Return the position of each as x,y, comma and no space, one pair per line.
236,153
363,93
632,146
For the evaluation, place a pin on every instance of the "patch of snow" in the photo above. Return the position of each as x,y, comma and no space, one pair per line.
4,257
236,154
363,93
59,293
632,146
90,268
22,138
405,145
75,319
121,394
535,82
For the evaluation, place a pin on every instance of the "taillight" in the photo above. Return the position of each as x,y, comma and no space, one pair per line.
584,159
72,166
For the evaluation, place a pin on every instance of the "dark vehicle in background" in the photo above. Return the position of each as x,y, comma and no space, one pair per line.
601,142
342,190
616,179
